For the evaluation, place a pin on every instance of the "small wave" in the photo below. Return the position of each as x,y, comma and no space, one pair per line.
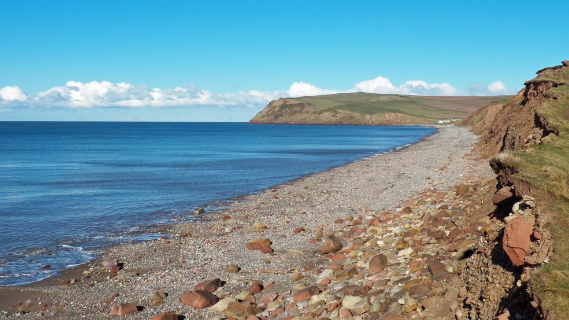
17,275
403,146
71,247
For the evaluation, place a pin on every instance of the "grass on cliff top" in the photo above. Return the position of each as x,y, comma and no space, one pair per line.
546,166
416,106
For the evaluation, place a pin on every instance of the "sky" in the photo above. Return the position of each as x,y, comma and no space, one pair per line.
225,60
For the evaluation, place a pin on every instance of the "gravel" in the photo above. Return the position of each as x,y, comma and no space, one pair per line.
201,250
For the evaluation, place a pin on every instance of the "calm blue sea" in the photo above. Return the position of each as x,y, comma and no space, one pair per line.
68,189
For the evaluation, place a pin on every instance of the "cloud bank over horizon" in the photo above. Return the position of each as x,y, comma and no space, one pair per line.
96,94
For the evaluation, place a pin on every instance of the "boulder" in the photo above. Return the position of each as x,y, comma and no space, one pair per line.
345,313
122,309
166,316
360,308
259,246
296,277
255,288
347,273
240,311
462,189
406,210
198,299
263,241
437,268
158,298
222,305
418,289
355,290
401,244
232,269
109,264
304,295
378,263
502,194
437,234
259,227
516,241
126,275
349,301
209,285
331,245
427,303
269,297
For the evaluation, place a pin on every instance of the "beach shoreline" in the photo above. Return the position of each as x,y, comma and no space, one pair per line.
214,207
380,183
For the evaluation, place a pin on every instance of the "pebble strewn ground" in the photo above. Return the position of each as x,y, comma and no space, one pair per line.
395,229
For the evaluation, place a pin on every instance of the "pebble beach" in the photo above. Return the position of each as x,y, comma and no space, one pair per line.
379,238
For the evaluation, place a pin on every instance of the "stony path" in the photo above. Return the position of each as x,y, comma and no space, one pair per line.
399,218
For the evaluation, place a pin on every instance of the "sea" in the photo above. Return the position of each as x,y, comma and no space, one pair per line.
70,189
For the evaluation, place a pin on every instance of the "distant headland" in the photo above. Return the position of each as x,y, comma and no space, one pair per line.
371,109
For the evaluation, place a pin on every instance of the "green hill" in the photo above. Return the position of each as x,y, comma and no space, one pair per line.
370,109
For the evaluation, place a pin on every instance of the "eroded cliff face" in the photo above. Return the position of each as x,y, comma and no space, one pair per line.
291,111
516,124
527,215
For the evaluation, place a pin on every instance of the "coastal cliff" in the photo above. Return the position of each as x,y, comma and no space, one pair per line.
292,111
527,141
369,109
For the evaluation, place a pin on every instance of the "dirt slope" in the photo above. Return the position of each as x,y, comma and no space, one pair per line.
527,140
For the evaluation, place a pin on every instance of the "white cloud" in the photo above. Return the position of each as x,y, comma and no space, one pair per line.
12,93
496,88
106,94
416,87
422,88
302,89
377,85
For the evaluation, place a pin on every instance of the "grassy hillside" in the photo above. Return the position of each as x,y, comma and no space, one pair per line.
370,109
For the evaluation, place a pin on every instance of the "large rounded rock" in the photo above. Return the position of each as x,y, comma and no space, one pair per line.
331,245
232,269
355,290
123,309
221,306
255,287
259,246
240,311
349,301
209,285
378,263
418,289
462,189
110,264
198,299
437,268
502,194
517,239
306,294
166,316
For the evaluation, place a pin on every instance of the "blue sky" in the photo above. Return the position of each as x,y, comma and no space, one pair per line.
224,60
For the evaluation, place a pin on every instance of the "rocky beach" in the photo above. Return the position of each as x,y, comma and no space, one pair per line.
401,235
